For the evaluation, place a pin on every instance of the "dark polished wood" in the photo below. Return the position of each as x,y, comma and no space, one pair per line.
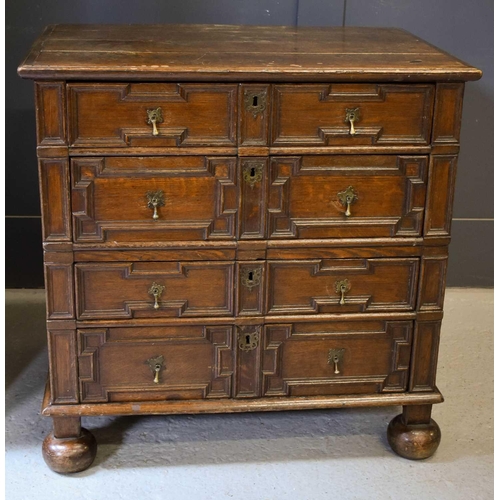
316,114
69,448
196,362
238,405
243,218
238,53
304,196
193,115
123,290
414,434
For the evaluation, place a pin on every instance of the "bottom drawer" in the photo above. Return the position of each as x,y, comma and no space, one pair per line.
188,362
155,363
344,357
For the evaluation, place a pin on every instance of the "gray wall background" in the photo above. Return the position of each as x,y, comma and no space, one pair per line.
462,27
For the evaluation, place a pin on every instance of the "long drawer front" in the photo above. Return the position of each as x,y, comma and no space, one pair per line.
195,198
124,290
223,361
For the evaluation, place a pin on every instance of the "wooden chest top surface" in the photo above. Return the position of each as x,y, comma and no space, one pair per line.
238,53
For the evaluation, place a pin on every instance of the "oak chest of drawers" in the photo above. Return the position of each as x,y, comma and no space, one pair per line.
243,219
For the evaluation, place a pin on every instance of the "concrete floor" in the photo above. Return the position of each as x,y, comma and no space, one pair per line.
325,454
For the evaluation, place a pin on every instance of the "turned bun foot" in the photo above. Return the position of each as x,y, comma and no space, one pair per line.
72,454
413,441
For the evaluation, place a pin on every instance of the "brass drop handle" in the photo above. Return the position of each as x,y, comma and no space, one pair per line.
352,115
154,116
347,197
155,199
342,287
335,356
156,290
157,374
156,366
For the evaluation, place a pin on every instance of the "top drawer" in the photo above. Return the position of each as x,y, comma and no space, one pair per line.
151,115
352,115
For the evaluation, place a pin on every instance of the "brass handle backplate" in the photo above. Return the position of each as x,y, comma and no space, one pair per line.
156,290
255,102
251,278
252,173
154,116
248,341
155,199
352,115
335,356
156,365
342,287
347,197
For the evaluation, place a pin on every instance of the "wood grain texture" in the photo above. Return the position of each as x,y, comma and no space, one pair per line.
50,100
271,319
304,196
424,356
71,454
121,290
63,366
244,53
315,115
248,378
254,111
251,288
197,363
253,197
238,405
432,281
448,113
53,174
376,358
252,237
109,198
59,289
440,194
309,287
115,114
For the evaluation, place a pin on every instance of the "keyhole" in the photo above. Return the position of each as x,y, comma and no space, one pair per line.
252,172
255,101
247,338
250,276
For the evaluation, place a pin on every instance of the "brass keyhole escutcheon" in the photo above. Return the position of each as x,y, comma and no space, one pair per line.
342,287
252,173
154,116
352,115
347,198
251,278
155,199
156,365
335,356
156,290
248,341
255,102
